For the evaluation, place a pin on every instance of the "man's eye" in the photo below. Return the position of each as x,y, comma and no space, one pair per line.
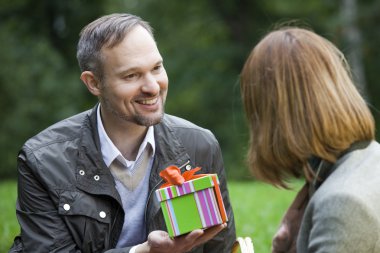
158,67
130,76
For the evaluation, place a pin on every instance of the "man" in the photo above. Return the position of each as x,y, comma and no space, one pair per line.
86,184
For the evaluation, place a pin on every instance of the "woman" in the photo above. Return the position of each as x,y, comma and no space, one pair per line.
307,119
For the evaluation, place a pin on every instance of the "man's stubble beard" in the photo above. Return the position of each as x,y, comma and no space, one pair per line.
138,119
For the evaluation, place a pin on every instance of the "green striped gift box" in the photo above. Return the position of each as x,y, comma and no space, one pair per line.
195,204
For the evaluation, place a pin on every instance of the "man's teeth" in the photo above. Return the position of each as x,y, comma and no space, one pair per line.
149,101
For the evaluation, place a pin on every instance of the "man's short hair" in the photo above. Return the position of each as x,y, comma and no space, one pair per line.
107,31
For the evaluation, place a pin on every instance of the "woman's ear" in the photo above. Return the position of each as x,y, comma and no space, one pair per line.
91,82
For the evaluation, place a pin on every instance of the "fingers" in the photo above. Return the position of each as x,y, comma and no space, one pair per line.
192,236
159,241
198,236
210,233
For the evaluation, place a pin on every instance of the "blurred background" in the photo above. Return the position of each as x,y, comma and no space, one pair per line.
204,44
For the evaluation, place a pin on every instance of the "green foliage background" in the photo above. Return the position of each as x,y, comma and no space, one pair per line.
258,209
204,44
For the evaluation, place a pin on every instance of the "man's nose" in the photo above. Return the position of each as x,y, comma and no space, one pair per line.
150,84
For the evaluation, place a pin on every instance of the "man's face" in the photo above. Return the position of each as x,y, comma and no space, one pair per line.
135,83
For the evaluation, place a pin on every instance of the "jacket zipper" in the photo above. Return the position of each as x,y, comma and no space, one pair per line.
112,239
183,165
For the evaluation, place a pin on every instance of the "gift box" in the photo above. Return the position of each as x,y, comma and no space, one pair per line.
196,203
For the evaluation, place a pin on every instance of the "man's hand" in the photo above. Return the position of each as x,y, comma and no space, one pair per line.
160,242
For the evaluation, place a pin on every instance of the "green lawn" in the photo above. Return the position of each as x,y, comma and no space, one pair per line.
258,209
8,223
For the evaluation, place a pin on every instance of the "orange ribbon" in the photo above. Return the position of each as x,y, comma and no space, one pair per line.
172,175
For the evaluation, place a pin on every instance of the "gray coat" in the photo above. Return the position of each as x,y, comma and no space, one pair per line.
62,167
344,213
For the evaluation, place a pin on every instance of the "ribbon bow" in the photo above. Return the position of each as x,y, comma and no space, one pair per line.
172,175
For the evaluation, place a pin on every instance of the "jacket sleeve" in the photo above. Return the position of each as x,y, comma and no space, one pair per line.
224,240
42,230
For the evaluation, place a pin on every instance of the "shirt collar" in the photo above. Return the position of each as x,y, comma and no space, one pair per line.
110,152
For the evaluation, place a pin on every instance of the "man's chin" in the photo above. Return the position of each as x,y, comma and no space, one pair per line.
148,121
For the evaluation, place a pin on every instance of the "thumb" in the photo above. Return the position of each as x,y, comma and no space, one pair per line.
194,235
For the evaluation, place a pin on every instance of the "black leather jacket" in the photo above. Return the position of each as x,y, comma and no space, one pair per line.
67,200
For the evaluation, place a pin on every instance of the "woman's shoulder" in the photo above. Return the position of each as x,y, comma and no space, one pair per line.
355,180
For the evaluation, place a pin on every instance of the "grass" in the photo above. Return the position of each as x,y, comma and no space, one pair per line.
258,210
8,222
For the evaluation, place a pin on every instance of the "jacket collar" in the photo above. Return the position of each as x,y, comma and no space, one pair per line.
97,178
323,169
169,151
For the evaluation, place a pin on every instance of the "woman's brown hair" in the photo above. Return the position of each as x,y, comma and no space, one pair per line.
299,101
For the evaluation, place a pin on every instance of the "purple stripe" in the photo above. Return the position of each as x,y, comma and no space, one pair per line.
204,208
208,193
199,210
187,187
180,190
170,192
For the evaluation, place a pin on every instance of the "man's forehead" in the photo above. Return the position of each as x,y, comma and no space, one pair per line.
138,49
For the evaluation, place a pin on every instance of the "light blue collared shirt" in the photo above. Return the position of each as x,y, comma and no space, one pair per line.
110,151
133,201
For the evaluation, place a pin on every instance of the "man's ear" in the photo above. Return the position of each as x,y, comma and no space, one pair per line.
91,82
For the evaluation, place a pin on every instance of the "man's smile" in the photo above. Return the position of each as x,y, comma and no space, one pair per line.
150,101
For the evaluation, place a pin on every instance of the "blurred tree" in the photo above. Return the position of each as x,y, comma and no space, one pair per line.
353,38
39,77
368,19
204,45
